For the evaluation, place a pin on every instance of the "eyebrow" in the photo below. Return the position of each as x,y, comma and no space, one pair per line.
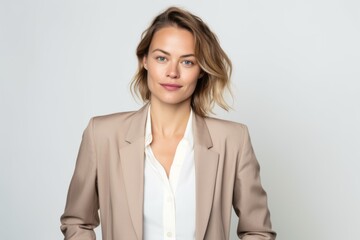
167,53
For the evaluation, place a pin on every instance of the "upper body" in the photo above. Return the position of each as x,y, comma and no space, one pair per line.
109,176
182,69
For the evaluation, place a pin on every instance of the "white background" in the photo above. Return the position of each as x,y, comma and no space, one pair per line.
296,85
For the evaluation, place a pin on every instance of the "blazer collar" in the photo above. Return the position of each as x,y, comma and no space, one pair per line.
136,129
132,161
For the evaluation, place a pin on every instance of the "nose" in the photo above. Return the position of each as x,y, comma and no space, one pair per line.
173,70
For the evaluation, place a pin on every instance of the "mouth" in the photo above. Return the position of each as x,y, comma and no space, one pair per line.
171,86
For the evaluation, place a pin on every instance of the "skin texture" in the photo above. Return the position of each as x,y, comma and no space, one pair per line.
173,73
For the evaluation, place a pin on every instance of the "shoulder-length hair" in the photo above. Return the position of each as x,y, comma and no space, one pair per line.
215,64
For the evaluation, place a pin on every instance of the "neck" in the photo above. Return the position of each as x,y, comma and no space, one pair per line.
169,120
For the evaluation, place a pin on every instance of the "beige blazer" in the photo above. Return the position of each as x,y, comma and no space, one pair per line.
109,176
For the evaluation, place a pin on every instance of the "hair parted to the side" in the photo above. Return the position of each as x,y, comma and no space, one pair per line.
214,63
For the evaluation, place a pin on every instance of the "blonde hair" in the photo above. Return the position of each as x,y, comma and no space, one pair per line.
215,64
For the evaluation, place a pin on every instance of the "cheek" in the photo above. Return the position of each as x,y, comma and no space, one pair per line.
194,79
192,86
154,73
150,83
151,76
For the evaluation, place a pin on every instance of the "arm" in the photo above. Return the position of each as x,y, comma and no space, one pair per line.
250,200
81,211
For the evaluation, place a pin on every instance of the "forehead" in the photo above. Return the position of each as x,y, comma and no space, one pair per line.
173,39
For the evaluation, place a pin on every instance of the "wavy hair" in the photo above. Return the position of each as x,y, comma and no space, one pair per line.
214,63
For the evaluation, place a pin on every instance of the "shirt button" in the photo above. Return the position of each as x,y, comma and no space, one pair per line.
169,234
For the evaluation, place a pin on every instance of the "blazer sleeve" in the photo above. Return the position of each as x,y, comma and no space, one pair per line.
81,211
249,199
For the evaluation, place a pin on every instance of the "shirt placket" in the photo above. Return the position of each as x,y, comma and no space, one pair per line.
169,213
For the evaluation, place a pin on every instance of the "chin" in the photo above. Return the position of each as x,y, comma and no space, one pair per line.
174,101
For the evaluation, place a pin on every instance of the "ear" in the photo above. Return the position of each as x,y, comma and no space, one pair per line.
144,61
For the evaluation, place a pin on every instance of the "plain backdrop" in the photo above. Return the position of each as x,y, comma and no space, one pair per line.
295,81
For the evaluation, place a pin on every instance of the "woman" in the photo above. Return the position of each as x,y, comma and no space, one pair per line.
167,171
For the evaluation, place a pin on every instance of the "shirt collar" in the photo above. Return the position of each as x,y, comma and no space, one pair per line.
188,135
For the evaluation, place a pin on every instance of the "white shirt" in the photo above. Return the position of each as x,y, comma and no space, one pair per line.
169,203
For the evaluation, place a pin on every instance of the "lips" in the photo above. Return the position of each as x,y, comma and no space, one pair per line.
171,86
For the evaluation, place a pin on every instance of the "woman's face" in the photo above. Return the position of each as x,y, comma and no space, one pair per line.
172,67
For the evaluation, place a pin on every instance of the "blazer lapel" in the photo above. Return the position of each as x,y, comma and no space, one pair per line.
132,162
206,164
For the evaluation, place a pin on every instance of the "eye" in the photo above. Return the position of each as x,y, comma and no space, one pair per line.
161,59
188,63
